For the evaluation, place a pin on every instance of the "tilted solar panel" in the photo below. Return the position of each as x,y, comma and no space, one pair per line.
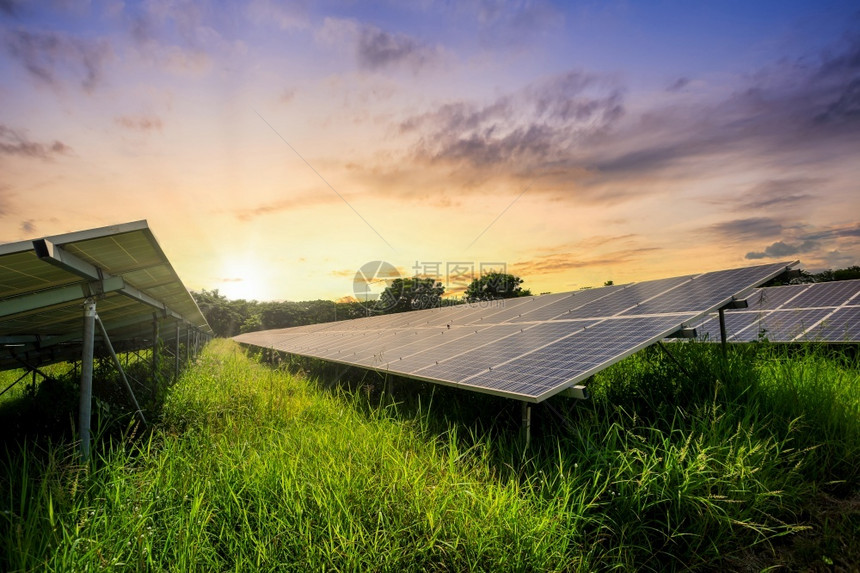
820,312
529,348
842,326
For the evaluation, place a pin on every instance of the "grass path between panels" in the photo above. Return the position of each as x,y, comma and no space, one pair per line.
255,469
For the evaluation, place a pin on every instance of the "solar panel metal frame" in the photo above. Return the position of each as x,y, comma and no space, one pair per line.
819,307
135,282
662,325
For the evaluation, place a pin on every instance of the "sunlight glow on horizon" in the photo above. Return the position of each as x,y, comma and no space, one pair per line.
652,141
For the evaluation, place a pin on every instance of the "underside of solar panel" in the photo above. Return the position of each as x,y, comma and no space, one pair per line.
528,348
44,282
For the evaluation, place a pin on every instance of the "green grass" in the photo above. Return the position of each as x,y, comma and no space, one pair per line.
748,463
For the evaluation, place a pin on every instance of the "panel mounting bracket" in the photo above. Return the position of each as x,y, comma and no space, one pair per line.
684,333
578,391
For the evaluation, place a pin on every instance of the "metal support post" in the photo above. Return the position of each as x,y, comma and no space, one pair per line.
154,356
676,361
187,345
86,404
723,330
119,367
527,423
176,355
12,385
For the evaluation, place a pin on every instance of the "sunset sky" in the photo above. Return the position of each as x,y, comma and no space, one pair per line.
275,148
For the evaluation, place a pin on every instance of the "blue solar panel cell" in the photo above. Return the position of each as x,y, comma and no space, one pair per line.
598,345
564,305
473,339
500,350
707,290
625,300
514,308
834,293
774,297
842,326
791,325
390,347
791,313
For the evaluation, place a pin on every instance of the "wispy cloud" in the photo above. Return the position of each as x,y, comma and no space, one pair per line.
54,57
563,262
849,231
143,123
376,49
536,130
182,38
287,16
779,194
578,132
505,24
10,7
13,142
279,206
678,84
780,249
751,228
804,240
5,196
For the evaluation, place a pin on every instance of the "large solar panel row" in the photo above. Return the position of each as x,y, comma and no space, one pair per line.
528,348
817,312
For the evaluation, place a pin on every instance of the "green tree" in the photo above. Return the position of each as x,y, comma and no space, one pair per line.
492,286
222,315
848,273
410,294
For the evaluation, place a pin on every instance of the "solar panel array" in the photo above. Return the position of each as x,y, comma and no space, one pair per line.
822,312
528,348
44,282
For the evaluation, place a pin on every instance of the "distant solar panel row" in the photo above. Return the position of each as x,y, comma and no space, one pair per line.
529,348
823,312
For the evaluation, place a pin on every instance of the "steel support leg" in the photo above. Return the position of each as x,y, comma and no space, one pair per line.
176,355
723,330
86,404
527,423
119,367
154,357
12,385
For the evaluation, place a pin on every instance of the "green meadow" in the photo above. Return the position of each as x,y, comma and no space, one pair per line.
745,463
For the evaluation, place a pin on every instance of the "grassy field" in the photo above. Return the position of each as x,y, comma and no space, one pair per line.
740,464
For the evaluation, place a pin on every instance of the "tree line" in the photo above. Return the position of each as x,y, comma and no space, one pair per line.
231,317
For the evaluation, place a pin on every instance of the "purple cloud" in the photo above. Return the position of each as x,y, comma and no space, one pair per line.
806,242
13,142
535,128
50,57
142,123
376,49
747,229
780,250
